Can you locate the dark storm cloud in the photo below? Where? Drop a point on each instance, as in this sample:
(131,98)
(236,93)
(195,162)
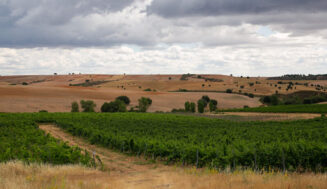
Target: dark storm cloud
(182,8)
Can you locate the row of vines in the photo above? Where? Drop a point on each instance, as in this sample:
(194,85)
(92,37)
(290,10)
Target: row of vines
(21,139)
(289,145)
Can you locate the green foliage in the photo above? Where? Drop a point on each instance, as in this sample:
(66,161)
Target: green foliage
(115,106)
(75,107)
(192,107)
(213,105)
(20,139)
(230,90)
(148,89)
(298,108)
(201,105)
(88,105)
(24,83)
(43,111)
(125,99)
(89,83)
(187,106)
(220,143)
(144,104)
(206,99)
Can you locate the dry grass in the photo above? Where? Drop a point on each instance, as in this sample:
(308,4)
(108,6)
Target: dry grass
(16,175)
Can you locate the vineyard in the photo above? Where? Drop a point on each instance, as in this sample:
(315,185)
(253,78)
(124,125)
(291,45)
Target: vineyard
(187,140)
(301,108)
(20,139)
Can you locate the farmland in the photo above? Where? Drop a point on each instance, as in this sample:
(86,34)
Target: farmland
(22,140)
(301,108)
(201,142)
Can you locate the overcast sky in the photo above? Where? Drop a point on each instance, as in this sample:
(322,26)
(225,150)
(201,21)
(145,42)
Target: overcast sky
(240,37)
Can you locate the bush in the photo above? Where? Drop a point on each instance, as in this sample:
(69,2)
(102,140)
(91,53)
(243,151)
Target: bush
(125,99)
(144,104)
(24,83)
(148,89)
(213,105)
(75,107)
(201,105)
(43,111)
(251,95)
(115,106)
(192,107)
(187,106)
(88,106)
(230,90)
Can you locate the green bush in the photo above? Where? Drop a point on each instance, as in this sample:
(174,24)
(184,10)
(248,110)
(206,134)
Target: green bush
(192,107)
(125,99)
(229,90)
(201,105)
(75,107)
(144,104)
(213,105)
(88,105)
(187,106)
(115,106)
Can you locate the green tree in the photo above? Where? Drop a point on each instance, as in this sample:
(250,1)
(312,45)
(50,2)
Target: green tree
(213,105)
(75,107)
(115,106)
(206,99)
(144,104)
(201,105)
(125,99)
(192,107)
(88,105)
(187,106)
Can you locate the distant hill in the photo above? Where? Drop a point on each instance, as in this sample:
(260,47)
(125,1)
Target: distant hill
(300,77)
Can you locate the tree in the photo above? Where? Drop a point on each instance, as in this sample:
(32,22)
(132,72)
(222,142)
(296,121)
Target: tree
(192,107)
(201,105)
(115,106)
(213,105)
(144,104)
(206,99)
(125,99)
(187,106)
(75,107)
(88,105)
(230,90)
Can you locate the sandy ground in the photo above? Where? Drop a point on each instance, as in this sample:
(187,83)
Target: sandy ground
(122,171)
(59,99)
(54,94)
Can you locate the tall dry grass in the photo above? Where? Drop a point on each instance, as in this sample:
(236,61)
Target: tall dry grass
(16,175)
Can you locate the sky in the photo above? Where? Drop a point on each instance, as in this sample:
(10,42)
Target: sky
(239,37)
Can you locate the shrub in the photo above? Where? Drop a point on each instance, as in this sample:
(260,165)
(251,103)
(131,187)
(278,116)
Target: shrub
(125,99)
(251,95)
(187,106)
(192,107)
(213,105)
(206,100)
(144,104)
(148,89)
(230,90)
(75,107)
(43,111)
(24,83)
(88,105)
(201,105)
(115,106)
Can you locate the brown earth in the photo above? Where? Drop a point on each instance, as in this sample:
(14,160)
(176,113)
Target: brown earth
(54,93)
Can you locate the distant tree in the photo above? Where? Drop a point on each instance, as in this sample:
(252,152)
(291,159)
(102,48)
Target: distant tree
(75,107)
(24,83)
(192,107)
(206,100)
(274,100)
(169,78)
(88,105)
(229,90)
(187,106)
(125,99)
(144,104)
(251,95)
(213,105)
(115,106)
(201,105)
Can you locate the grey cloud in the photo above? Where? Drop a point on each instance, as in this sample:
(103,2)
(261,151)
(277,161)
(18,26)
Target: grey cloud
(182,8)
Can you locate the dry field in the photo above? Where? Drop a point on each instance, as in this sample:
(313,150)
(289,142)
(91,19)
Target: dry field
(54,93)
(122,171)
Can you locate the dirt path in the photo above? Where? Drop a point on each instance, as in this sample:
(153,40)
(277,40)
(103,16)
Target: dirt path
(132,170)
